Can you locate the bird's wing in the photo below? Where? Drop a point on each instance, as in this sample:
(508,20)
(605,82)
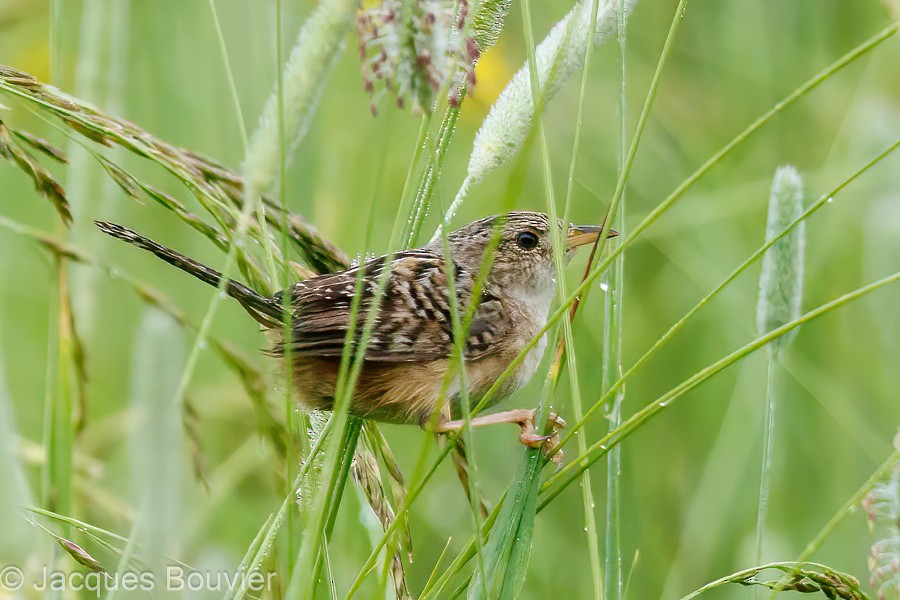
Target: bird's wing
(413,320)
(413,323)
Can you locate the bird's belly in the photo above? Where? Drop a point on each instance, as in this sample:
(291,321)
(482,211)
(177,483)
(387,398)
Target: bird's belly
(388,392)
(416,392)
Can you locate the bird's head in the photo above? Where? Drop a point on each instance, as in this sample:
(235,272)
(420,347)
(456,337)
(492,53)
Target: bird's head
(523,259)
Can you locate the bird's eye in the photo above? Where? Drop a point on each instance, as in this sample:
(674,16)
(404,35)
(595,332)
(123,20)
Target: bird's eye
(527,240)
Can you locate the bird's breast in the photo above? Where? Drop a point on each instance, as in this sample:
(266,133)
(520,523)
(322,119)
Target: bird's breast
(526,321)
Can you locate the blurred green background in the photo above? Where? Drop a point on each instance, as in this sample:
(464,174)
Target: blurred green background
(691,476)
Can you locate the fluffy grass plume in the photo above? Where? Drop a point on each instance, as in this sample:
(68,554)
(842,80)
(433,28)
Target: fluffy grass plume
(318,47)
(781,281)
(559,56)
(780,297)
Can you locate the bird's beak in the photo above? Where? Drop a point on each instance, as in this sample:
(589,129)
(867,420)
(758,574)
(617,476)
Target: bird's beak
(579,235)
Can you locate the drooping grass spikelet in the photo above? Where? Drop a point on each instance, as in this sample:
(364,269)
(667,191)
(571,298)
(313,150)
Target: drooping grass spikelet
(16,146)
(781,281)
(219,190)
(318,47)
(882,505)
(559,56)
(802,577)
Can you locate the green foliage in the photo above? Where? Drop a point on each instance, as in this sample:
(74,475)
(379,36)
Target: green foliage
(696,177)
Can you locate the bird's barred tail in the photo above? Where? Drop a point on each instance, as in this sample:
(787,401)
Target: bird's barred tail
(265,310)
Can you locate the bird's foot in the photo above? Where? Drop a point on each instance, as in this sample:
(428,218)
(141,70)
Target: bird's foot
(525,419)
(549,442)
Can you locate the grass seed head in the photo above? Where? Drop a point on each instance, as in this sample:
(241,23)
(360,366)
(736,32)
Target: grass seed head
(559,56)
(781,281)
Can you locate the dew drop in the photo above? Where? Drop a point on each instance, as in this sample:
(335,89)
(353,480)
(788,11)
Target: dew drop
(604,286)
(202,344)
(830,199)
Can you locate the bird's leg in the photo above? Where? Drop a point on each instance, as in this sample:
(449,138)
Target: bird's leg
(524,418)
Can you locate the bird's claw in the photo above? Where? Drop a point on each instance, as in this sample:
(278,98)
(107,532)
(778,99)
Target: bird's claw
(548,442)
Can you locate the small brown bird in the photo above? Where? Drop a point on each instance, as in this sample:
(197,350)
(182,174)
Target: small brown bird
(409,352)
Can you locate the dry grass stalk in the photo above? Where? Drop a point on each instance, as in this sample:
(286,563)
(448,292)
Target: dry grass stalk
(367,475)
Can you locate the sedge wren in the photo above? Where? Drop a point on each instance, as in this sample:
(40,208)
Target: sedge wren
(408,353)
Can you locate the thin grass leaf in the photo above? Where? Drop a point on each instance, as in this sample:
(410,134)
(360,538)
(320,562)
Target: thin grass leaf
(509,545)
(569,473)
(883,471)
(508,548)
(463,468)
(664,339)
(275,523)
(436,589)
(58,414)
(108,539)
